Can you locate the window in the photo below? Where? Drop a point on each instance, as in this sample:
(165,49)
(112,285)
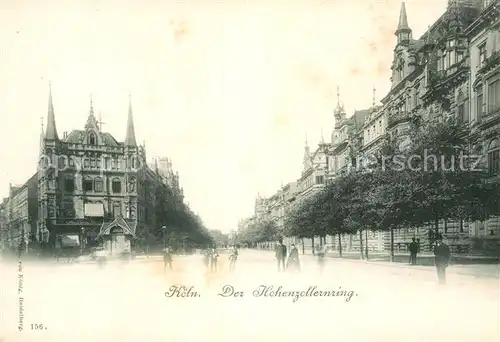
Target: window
(86,162)
(62,162)
(479,105)
(320,179)
(116,186)
(117,208)
(460,56)
(482,54)
(92,139)
(494,96)
(71,162)
(463,112)
(69,184)
(87,184)
(494,157)
(98,185)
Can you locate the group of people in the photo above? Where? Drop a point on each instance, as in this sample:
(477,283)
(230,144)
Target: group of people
(211,257)
(290,262)
(441,257)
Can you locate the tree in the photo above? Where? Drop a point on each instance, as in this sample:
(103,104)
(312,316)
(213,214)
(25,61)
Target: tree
(179,219)
(446,184)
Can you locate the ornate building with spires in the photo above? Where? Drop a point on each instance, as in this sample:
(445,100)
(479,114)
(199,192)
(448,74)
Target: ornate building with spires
(94,189)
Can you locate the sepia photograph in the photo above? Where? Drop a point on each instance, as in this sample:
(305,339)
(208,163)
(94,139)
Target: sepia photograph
(250,170)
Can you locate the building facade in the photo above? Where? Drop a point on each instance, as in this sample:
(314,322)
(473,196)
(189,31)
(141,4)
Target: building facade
(452,70)
(89,189)
(18,216)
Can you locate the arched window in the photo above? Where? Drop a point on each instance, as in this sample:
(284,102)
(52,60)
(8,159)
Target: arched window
(462,109)
(494,157)
(92,139)
(98,184)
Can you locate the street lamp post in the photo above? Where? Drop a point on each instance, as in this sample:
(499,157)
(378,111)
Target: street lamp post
(82,242)
(164,229)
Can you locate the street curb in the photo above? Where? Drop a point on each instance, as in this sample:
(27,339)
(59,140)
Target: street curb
(401,265)
(420,268)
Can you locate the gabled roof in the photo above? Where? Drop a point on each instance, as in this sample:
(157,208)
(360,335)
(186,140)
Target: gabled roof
(128,228)
(359,116)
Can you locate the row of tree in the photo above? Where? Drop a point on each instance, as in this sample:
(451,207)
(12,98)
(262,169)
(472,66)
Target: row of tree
(176,224)
(433,177)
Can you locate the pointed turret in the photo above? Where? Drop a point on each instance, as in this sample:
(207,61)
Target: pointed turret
(92,123)
(42,145)
(51,132)
(404,31)
(339,111)
(130,137)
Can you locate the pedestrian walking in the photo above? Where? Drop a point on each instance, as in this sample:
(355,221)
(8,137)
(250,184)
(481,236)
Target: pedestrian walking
(206,259)
(320,253)
(413,247)
(293,260)
(442,260)
(233,256)
(213,260)
(167,259)
(280,254)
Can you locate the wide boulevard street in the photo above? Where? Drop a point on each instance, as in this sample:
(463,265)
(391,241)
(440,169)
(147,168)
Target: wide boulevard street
(128,302)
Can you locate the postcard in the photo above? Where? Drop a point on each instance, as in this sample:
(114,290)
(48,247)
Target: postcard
(250,170)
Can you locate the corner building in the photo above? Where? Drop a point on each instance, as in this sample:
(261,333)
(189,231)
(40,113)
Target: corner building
(93,189)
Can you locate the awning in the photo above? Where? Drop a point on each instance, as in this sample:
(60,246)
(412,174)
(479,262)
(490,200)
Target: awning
(94,209)
(70,240)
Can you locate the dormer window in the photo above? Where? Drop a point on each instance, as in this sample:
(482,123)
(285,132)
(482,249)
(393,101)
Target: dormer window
(92,139)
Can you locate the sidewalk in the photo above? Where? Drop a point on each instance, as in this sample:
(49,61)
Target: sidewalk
(491,271)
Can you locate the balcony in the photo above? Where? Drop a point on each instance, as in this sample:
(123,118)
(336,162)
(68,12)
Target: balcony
(398,118)
(490,63)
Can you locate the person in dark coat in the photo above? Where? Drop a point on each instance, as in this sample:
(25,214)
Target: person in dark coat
(293,259)
(167,259)
(442,260)
(233,256)
(214,256)
(280,254)
(206,258)
(413,247)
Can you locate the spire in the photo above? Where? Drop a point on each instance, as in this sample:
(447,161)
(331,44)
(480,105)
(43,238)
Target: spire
(41,136)
(403,19)
(51,133)
(130,137)
(338,97)
(339,110)
(92,123)
(91,112)
(374,92)
(322,141)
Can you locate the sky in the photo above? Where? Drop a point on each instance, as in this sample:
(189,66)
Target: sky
(229,90)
